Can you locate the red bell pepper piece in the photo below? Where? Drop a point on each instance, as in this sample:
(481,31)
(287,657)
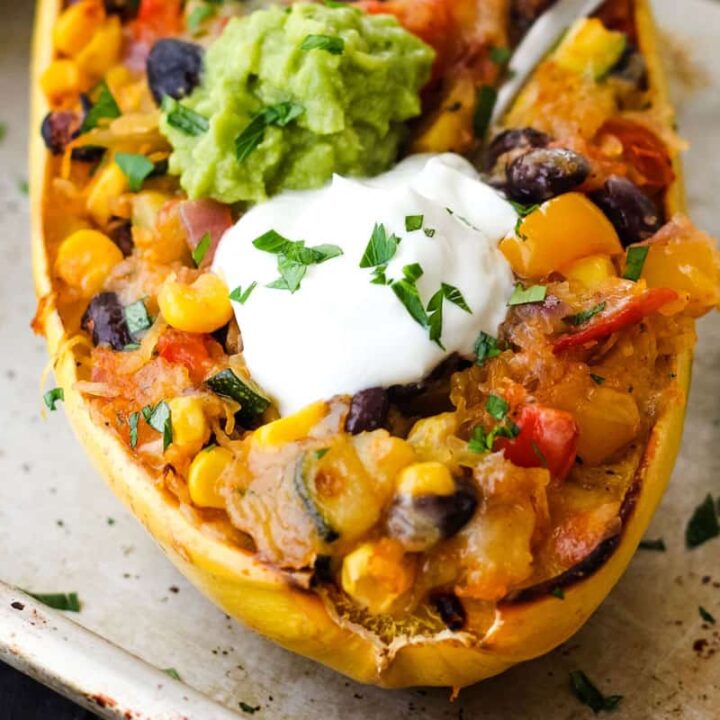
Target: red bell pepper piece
(194,351)
(548,438)
(629,313)
(158,19)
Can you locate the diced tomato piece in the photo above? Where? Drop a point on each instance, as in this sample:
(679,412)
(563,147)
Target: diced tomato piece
(643,151)
(548,438)
(629,313)
(196,352)
(158,18)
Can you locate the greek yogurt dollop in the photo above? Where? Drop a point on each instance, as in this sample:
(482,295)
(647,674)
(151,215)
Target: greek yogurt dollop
(340,333)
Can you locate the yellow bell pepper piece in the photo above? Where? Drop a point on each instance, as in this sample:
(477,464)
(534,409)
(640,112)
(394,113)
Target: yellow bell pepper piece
(590,272)
(564,229)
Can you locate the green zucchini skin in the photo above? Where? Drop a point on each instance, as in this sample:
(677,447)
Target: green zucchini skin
(301,484)
(253,402)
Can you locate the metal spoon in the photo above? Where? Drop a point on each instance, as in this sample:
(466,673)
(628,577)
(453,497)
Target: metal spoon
(543,35)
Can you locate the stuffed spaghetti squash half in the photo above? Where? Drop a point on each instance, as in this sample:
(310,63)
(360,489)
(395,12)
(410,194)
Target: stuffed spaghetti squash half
(429,448)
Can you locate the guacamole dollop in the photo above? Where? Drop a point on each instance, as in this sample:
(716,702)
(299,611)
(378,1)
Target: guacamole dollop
(290,96)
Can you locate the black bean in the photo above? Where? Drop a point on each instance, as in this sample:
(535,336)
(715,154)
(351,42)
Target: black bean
(368,411)
(544,173)
(105,321)
(451,610)
(173,68)
(88,153)
(119,230)
(59,129)
(516,139)
(420,522)
(633,214)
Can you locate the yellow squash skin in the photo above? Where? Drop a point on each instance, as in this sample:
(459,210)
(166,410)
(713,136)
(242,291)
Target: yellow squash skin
(262,597)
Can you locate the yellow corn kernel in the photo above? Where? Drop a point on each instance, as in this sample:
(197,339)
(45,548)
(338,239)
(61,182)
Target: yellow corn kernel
(376,574)
(205,471)
(291,428)
(189,424)
(103,51)
(428,478)
(85,259)
(145,208)
(201,307)
(104,191)
(61,81)
(76,26)
(590,272)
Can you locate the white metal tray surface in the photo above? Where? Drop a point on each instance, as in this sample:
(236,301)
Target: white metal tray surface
(62,530)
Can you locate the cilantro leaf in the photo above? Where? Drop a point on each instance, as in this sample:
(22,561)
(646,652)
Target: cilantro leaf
(597,379)
(589,695)
(133,420)
(486,347)
(183,118)
(136,169)
(161,420)
(200,251)
(486,99)
(558,592)
(706,616)
(703,524)
(524,296)
(497,407)
(137,317)
(52,397)
(199,15)
(408,294)
(656,545)
(380,249)
(330,43)
(500,55)
(69,602)
(414,222)
(241,296)
(582,317)
(452,294)
(105,107)
(635,261)
(279,115)
(173,673)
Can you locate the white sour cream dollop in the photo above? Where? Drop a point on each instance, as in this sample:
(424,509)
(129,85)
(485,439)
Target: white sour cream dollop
(339,333)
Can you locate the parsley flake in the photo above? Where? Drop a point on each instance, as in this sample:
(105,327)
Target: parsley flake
(136,169)
(525,296)
(497,407)
(657,545)
(69,602)
(160,419)
(200,251)
(52,397)
(558,592)
(597,379)
(199,15)
(589,695)
(173,673)
(133,420)
(329,43)
(430,232)
(453,295)
(635,261)
(582,317)
(279,115)
(500,55)
(249,709)
(406,291)
(706,616)
(137,317)
(241,296)
(486,99)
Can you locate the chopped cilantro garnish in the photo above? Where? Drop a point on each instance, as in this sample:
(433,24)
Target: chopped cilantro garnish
(173,673)
(105,107)
(249,709)
(321,453)
(589,695)
(52,397)
(279,115)
(486,98)
(582,317)
(413,272)
(430,232)
(408,294)
(524,296)
(330,43)
(706,616)
(435,318)
(497,407)
(3,131)
(380,249)
(657,545)
(241,296)
(160,419)
(597,379)
(500,55)
(293,258)
(486,347)
(200,251)
(137,318)
(635,261)
(558,592)
(133,420)
(136,169)
(59,601)
(703,524)
(414,222)
(199,15)
(183,118)
(453,295)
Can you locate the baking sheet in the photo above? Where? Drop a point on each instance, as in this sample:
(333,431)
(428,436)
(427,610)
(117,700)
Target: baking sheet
(62,530)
